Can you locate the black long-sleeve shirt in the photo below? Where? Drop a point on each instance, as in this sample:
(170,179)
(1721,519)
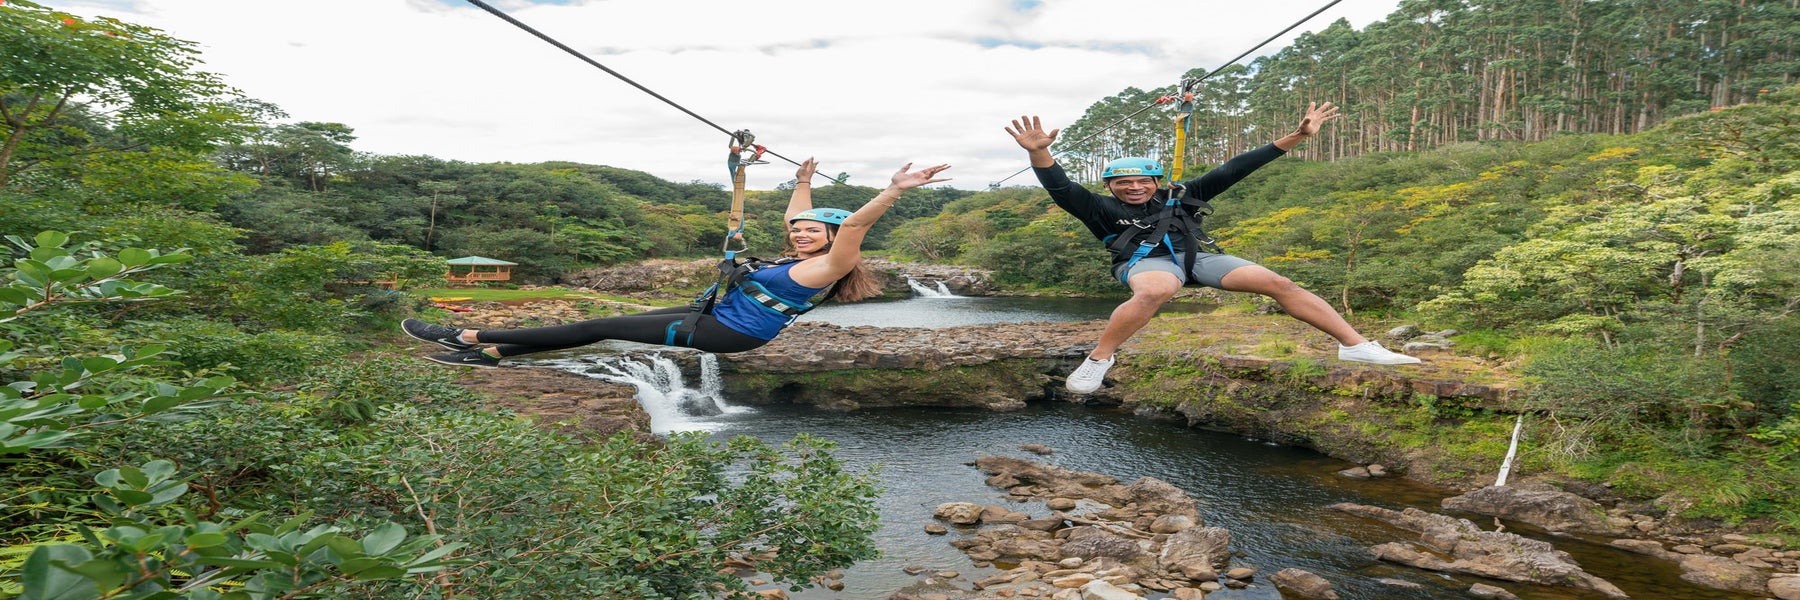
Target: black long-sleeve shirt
(1106,216)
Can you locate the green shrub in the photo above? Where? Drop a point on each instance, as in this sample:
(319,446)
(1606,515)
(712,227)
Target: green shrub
(1629,386)
(270,356)
(1767,371)
(623,520)
(352,390)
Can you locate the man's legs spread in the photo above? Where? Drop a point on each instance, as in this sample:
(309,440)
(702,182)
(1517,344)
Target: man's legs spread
(1295,300)
(1149,290)
(1312,310)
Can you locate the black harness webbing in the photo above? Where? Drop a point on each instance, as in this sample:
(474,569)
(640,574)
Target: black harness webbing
(1180,215)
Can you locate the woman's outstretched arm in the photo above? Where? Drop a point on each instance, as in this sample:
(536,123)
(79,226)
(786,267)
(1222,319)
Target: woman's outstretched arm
(846,248)
(801,200)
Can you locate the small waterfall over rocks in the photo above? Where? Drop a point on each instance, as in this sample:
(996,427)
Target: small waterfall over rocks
(923,291)
(663,391)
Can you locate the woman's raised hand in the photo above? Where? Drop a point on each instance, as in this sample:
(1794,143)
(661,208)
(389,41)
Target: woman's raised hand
(805,173)
(907,179)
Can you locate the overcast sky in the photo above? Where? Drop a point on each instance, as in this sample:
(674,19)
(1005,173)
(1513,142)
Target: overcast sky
(864,86)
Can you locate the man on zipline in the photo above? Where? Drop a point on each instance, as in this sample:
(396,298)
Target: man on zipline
(1158,246)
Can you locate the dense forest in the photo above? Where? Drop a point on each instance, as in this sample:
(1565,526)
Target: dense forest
(193,403)
(551,218)
(1438,72)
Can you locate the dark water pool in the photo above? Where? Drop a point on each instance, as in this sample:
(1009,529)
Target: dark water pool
(1271,497)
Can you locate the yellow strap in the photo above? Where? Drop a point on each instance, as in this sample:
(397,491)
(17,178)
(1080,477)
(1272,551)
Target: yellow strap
(737,200)
(735,222)
(1180,149)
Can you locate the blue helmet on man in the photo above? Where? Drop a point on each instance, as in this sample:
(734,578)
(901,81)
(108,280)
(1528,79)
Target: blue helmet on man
(829,216)
(1132,166)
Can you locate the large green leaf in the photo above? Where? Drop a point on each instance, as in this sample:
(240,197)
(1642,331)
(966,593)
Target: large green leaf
(14,295)
(205,539)
(45,579)
(384,539)
(101,268)
(52,238)
(134,257)
(30,441)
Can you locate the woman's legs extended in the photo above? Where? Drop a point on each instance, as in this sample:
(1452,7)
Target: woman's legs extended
(652,327)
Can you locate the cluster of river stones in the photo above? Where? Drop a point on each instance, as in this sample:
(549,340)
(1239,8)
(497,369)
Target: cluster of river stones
(1107,540)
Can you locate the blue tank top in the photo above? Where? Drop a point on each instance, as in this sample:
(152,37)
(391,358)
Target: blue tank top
(749,317)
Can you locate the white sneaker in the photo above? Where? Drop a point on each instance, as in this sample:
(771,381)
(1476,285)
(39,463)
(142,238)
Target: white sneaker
(1088,377)
(1372,352)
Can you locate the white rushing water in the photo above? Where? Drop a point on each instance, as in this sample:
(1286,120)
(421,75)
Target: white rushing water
(923,291)
(663,391)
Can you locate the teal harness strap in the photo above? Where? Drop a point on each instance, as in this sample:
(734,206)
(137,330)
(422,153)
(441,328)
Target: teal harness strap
(735,276)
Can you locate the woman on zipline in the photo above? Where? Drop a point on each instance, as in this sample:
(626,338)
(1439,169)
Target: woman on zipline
(827,246)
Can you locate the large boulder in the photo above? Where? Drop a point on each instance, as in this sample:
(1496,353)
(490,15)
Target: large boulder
(960,513)
(1491,554)
(1196,554)
(1539,504)
(1089,543)
(1041,479)
(1488,592)
(1304,584)
(1785,588)
(1707,570)
(1723,573)
(1014,543)
(1157,496)
(1101,590)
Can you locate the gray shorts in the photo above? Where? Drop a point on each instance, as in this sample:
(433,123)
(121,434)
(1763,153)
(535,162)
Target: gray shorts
(1209,268)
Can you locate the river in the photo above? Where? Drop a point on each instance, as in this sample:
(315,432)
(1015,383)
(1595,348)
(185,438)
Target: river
(1270,497)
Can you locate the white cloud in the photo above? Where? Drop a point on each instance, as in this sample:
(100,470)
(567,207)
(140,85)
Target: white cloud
(864,86)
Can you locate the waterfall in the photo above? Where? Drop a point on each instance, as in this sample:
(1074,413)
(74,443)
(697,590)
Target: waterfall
(710,384)
(922,291)
(663,391)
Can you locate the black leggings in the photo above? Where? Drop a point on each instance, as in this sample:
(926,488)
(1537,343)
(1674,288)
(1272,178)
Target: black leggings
(647,327)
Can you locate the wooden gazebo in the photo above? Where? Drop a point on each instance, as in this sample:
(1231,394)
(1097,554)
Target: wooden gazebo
(475,269)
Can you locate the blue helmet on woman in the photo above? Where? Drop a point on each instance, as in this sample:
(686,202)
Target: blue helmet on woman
(829,216)
(1132,166)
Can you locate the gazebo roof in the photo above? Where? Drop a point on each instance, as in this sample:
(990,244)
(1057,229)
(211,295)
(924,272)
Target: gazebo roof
(480,260)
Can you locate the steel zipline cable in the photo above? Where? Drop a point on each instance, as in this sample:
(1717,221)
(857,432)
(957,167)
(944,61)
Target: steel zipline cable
(1194,82)
(516,23)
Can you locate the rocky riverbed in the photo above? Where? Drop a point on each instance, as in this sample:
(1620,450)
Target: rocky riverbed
(1279,375)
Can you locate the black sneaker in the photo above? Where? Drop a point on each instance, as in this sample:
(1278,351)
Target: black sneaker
(466,358)
(448,337)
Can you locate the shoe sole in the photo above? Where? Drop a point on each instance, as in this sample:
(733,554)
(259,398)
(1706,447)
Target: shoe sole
(1379,362)
(460,364)
(426,339)
(1072,389)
